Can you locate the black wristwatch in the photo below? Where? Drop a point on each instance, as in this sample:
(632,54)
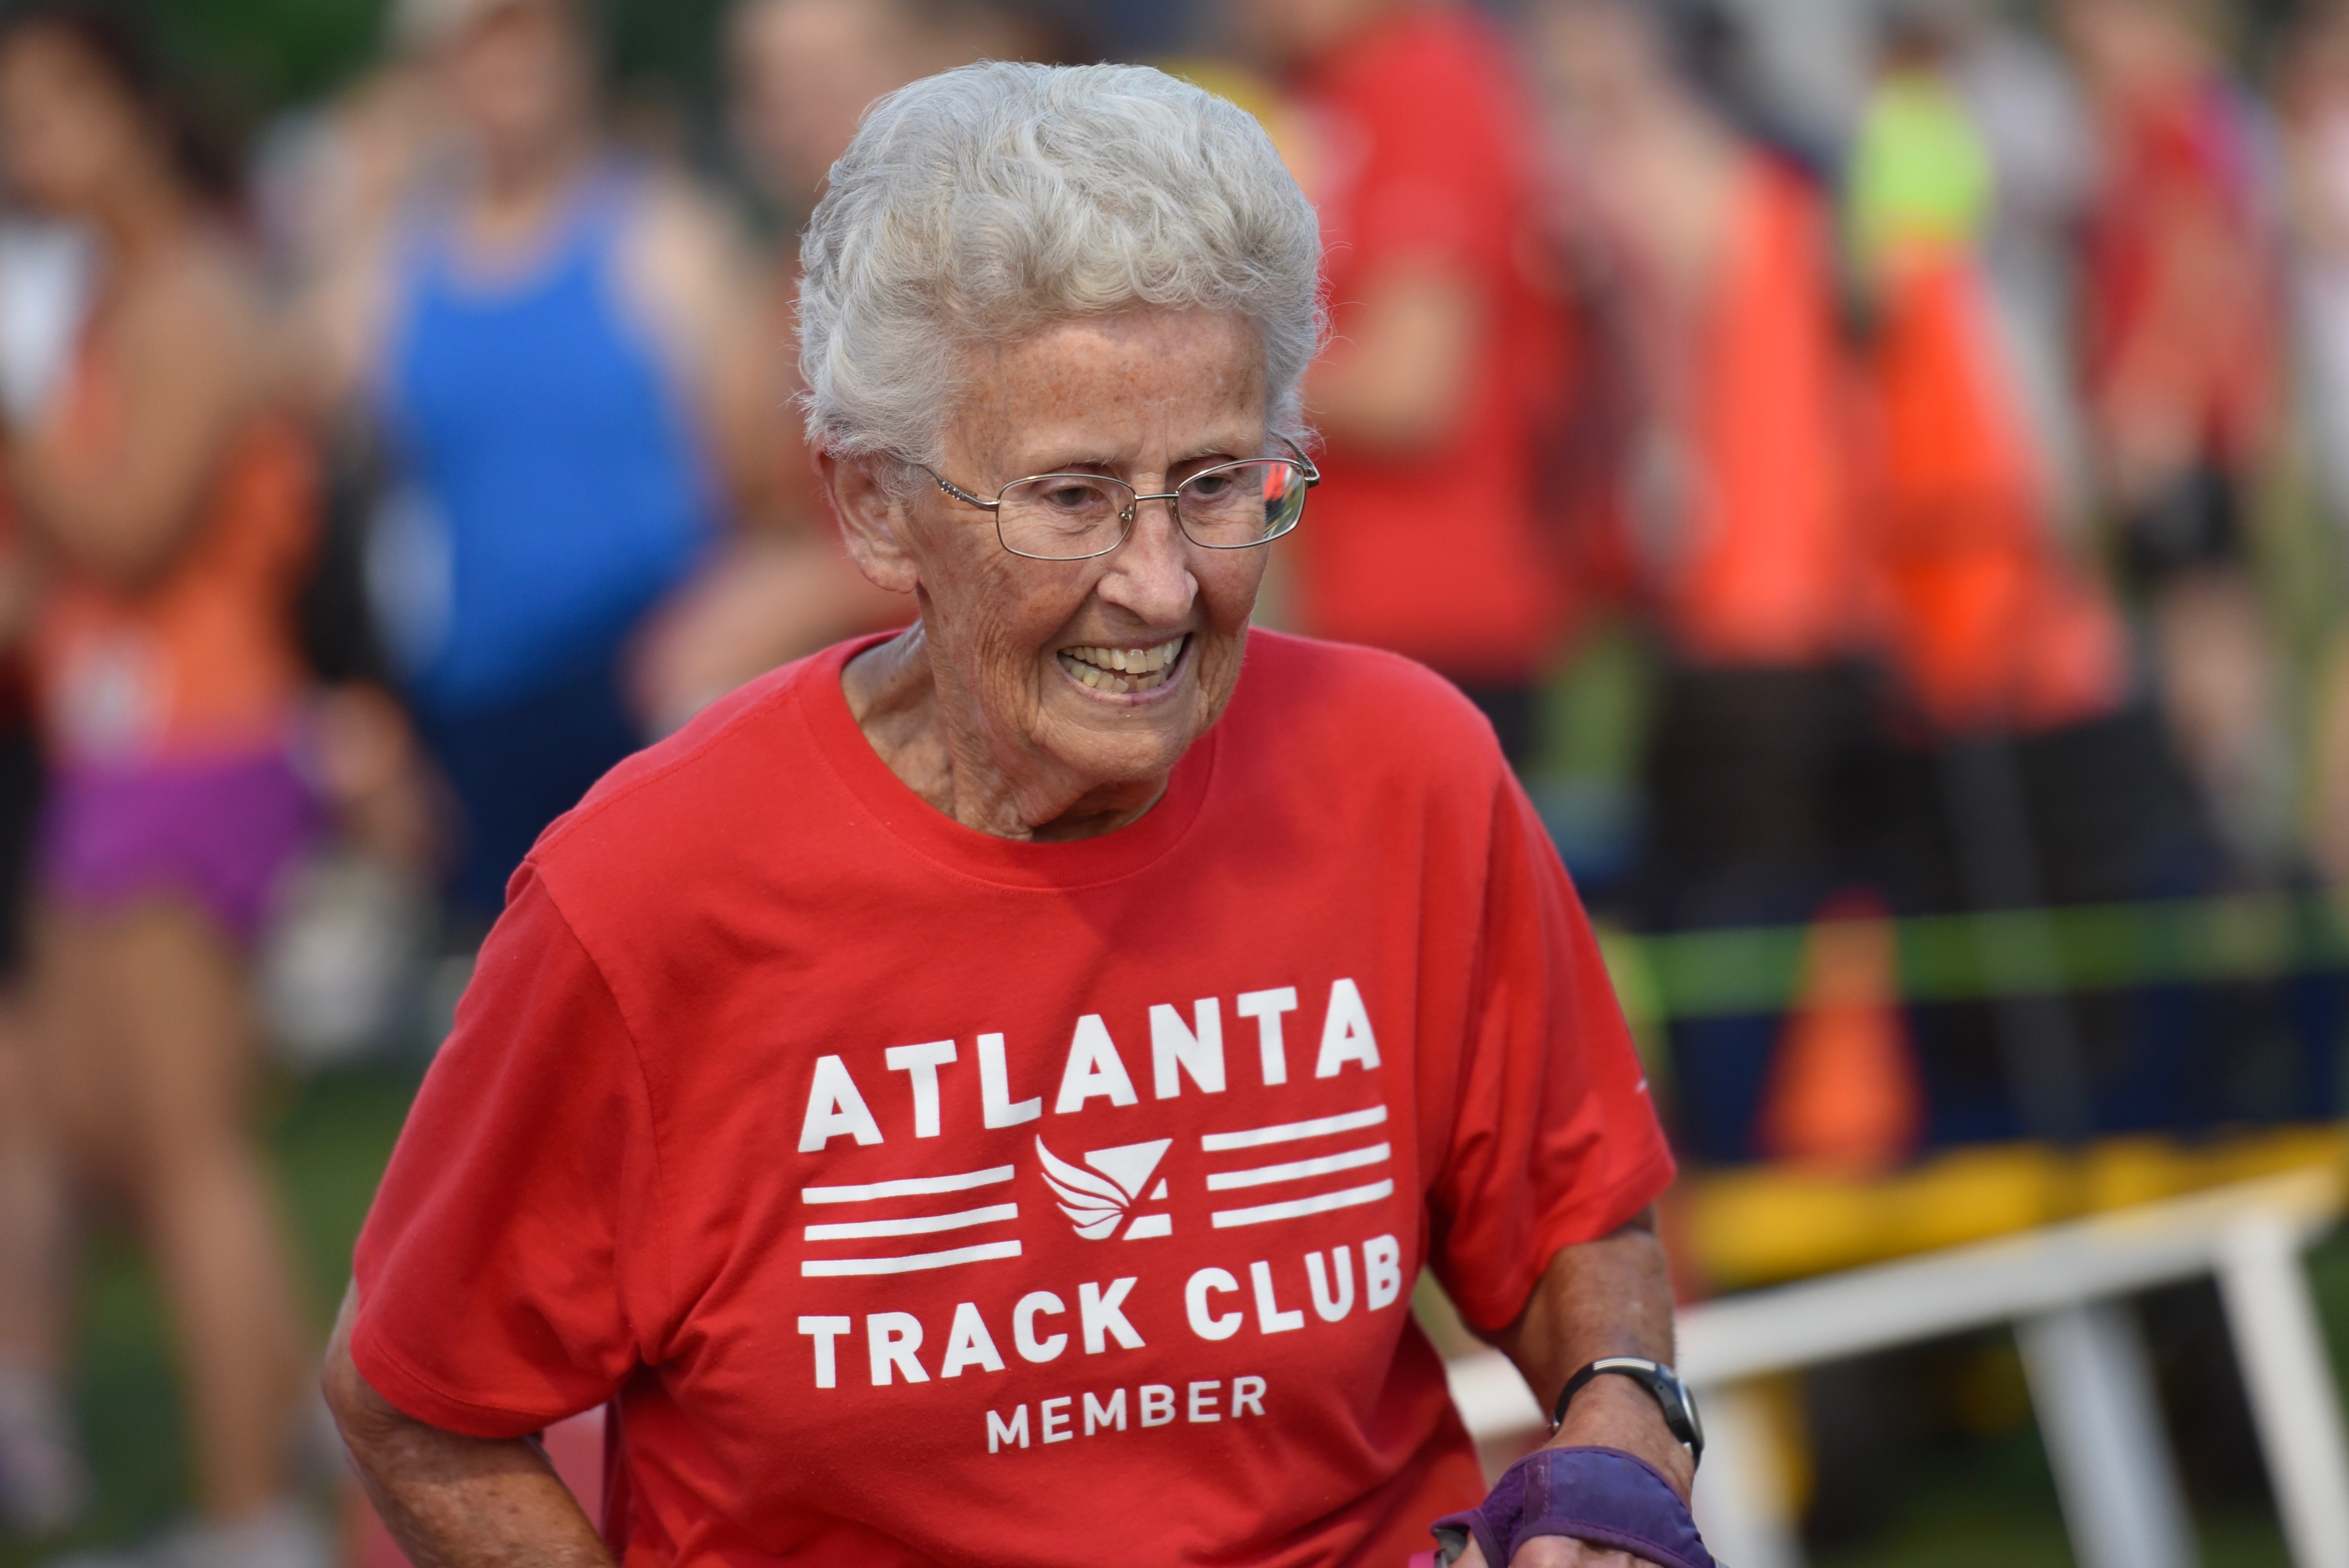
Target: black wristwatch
(1660,1380)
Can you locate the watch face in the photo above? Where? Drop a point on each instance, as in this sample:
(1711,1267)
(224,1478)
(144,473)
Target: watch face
(1694,1434)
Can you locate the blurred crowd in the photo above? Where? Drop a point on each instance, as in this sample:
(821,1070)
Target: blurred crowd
(368,496)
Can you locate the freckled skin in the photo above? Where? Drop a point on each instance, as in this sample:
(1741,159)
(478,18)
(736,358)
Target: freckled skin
(973,707)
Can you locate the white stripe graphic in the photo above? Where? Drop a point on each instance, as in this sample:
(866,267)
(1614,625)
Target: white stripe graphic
(822,1268)
(1298,1170)
(1289,1132)
(911,1187)
(922,1226)
(1224,1219)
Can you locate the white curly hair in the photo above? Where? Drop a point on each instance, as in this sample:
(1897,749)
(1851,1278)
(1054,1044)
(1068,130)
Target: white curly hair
(998,197)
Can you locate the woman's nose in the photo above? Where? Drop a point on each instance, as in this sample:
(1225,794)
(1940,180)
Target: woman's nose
(1150,575)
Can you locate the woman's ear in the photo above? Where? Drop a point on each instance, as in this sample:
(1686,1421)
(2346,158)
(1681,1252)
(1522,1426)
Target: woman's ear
(872,521)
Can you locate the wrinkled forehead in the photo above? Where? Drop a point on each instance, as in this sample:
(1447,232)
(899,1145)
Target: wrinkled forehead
(1138,386)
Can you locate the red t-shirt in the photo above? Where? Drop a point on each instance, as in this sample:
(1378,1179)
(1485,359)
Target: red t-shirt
(1422,154)
(2178,310)
(924,1197)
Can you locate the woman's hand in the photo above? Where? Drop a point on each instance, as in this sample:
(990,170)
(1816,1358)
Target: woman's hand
(1612,1413)
(1607,1297)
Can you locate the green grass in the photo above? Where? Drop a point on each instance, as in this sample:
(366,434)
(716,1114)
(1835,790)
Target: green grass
(330,1137)
(1961,1503)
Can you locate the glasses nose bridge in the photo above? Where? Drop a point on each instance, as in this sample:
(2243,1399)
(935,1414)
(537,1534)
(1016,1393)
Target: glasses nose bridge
(1133,509)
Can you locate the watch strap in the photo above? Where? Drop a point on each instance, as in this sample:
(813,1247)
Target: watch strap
(1662,1384)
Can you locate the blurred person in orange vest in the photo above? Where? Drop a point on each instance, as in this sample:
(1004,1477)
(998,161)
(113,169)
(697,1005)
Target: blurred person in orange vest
(2180,282)
(1737,509)
(2030,777)
(2025,106)
(1445,363)
(167,508)
(1987,621)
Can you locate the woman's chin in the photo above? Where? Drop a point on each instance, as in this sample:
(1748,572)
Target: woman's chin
(1120,739)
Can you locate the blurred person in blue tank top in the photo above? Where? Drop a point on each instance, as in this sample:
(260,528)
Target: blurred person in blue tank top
(564,351)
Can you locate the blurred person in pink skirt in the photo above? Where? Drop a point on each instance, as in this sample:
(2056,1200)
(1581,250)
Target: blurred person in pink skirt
(166,511)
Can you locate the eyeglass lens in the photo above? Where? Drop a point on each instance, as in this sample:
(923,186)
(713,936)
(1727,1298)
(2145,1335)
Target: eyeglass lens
(1067,517)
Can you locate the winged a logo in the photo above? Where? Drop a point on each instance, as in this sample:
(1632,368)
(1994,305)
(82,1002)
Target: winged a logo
(1097,1200)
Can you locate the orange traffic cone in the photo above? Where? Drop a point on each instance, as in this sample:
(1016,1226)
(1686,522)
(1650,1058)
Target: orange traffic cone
(1844,1095)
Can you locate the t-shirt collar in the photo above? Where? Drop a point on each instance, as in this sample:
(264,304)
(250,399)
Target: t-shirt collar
(937,837)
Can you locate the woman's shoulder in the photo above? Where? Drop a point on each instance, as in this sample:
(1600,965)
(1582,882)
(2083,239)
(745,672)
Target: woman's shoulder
(685,265)
(196,302)
(1365,701)
(687,793)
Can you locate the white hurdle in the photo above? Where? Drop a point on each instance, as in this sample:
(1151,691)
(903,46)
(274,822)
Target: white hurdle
(2065,1289)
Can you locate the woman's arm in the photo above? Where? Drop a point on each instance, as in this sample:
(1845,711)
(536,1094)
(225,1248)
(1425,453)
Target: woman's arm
(783,588)
(454,1501)
(185,354)
(1394,378)
(1607,1297)
(688,274)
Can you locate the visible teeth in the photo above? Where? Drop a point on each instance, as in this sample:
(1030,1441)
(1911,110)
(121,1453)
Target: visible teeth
(1121,670)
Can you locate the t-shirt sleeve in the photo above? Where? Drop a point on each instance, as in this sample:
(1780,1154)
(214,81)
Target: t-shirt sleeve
(509,1269)
(1441,187)
(1554,1141)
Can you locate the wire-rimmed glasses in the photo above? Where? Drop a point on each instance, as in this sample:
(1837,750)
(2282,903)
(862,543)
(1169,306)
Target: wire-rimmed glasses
(1075,517)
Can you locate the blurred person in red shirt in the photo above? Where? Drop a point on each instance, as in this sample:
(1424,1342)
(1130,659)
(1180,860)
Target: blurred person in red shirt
(2313,95)
(167,508)
(1445,365)
(2181,277)
(1736,521)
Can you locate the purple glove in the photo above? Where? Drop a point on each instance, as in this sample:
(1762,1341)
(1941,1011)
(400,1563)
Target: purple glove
(1603,1496)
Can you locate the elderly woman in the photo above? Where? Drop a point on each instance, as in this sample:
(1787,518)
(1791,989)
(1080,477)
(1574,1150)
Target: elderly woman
(982,1095)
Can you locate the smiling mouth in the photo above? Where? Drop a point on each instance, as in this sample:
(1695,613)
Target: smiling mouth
(1122,671)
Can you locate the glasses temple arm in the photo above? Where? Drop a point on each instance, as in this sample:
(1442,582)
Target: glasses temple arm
(1312,469)
(957,491)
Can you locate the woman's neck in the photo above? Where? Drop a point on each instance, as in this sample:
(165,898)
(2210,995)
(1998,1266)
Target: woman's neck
(516,196)
(934,736)
(144,217)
